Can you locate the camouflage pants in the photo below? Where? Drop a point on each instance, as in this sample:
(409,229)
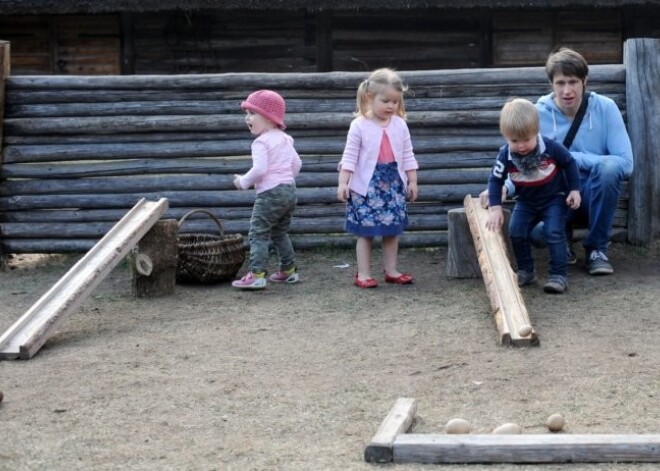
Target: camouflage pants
(271,219)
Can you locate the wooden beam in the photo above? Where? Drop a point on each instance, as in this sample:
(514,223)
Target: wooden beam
(5,70)
(379,449)
(27,335)
(546,448)
(642,60)
(509,309)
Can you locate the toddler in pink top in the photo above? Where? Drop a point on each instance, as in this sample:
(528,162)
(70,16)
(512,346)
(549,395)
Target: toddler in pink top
(377,171)
(275,165)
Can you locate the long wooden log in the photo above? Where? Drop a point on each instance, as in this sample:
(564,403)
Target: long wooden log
(218,122)
(428,130)
(176,150)
(546,448)
(131,184)
(226,212)
(170,106)
(304,99)
(349,80)
(438,193)
(325,224)
(302,242)
(311,164)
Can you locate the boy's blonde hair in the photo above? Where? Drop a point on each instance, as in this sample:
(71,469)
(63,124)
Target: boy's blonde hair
(379,79)
(519,119)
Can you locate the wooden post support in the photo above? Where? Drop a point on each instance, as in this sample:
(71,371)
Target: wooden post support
(154,261)
(5,70)
(509,309)
(546,448)
(642,60)
(379,450)
(462,261)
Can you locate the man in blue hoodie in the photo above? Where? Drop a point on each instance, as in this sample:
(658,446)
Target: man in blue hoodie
(601,148)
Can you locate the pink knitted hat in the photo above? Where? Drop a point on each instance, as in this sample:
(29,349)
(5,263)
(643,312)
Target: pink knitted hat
(268,104)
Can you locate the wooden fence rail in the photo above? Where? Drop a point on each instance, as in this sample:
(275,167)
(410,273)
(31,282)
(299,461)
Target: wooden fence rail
(78,152)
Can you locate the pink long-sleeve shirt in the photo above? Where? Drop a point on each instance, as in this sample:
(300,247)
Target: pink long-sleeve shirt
(362,147)
(274,162)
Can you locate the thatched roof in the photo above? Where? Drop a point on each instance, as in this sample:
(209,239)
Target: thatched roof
(34,7)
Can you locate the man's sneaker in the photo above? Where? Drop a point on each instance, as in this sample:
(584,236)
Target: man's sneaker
(526,278)
(556,284)
(250,281)
(571,256)
(285,276)
(597,264)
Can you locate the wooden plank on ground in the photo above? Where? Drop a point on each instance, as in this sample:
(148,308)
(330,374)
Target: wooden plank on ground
(379,450)
(509,309)
(545,448)
(30,332)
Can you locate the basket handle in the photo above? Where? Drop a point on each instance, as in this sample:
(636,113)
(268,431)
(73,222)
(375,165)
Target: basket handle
(208,213)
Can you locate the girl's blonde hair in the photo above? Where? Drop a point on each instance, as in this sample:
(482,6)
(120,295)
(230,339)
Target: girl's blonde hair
(519,118)
(379,79)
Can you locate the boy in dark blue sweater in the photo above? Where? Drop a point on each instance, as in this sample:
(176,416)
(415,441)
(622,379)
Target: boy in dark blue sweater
(547,183)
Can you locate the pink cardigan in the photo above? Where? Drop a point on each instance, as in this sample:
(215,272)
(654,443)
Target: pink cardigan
(362,147)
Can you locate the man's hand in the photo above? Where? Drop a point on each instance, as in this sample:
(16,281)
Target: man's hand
(237,182)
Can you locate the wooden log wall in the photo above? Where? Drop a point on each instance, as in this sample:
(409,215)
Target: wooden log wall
(80,151)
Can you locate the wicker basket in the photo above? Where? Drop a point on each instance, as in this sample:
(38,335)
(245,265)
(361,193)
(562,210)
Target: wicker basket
(208,258)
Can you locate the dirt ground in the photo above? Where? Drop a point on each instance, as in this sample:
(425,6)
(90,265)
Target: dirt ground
(300,377)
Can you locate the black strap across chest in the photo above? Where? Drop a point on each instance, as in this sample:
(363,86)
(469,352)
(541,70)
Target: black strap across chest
(570,135)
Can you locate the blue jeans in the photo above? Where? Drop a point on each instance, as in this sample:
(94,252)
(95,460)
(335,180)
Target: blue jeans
(271,220)
(600,190)
(524,217)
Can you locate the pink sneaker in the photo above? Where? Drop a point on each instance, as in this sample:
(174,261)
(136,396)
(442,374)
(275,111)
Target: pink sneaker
(282,277)
(250,281)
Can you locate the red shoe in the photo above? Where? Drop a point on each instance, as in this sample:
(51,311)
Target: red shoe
(402,279)
(368,283)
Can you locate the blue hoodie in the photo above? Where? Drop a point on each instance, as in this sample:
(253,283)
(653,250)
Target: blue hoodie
(602,132)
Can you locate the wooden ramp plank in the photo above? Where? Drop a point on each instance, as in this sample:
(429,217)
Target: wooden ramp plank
(546,448)
(511,317)
(31,330)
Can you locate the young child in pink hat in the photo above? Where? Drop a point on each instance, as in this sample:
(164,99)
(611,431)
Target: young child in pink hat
(275,165)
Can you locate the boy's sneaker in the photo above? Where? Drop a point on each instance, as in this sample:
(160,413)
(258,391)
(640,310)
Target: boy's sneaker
(571,256)
(250,281)
(556,284)
(285,276)
(526,278)
(598,264)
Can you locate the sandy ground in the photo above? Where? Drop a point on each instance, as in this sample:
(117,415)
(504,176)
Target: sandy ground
(300,377)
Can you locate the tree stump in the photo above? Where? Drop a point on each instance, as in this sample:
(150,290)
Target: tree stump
(153,264)
(462,260)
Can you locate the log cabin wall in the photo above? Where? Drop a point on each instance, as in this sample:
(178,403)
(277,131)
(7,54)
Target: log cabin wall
(67,44)
(243,40)
(78,152)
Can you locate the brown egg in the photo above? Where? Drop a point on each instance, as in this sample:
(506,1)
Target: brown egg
(555,423)
(457,426)
(508,429)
